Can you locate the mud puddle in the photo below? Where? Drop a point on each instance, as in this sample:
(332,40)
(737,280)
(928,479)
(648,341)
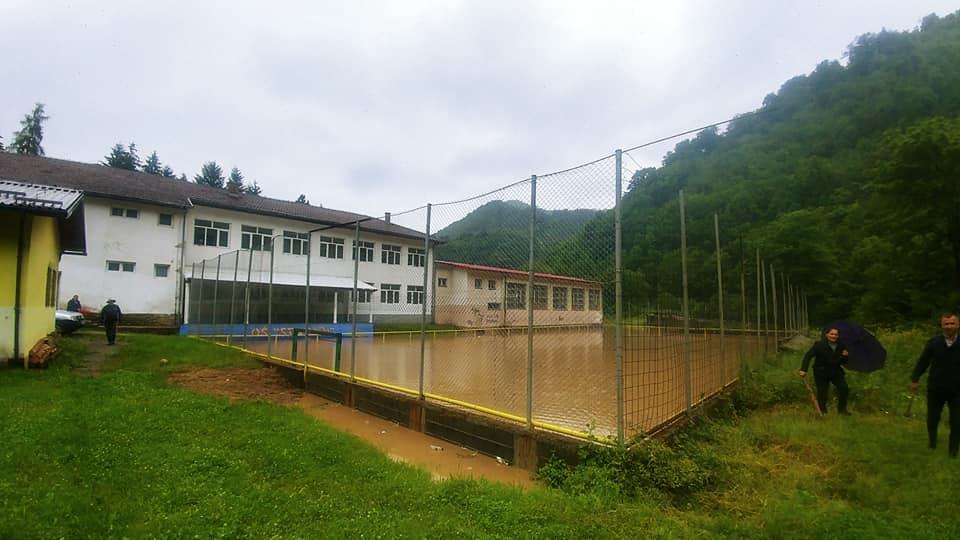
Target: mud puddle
(443,459)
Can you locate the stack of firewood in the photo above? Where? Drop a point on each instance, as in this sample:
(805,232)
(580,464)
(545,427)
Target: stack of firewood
(43,352)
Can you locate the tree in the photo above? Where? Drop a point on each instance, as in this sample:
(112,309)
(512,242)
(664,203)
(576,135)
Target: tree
(235,182)
(210,175)
(152,164)
(1,144)
(123,158)
(27,140)
(183,177)
(253,189)
(302,199)
(167,172)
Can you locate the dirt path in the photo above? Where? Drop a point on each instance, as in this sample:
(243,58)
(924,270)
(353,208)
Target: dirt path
(97,352)
(443,459)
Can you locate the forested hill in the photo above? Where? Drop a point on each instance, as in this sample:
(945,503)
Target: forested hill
(849,178)
(497,233)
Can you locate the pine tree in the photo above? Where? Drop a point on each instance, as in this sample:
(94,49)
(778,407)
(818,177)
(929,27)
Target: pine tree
(152,164)
(27,140)
(167,172)
(123,158)
(253,189)
(302,199)
(210,175)
(235,182)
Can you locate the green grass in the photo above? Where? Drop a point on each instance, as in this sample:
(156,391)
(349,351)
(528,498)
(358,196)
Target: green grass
(127,454)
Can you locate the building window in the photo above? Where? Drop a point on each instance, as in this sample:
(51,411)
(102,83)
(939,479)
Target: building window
(210,233)
(389,293)
(390,254)
(363,295)
(255,238)
(125,212)
(50,293)
(539,297)
(161,270)
(366,251)
(576,299)
(478,283)
(441,282)
(117,266)
(298,243)
(165,219)
(331,248)
(416,257)
(492,284)
(516,296)
(594,300)
(560,298)
(414,294)
(493,306)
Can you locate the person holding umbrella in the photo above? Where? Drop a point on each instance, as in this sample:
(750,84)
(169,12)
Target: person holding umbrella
(942,356)
(828,356)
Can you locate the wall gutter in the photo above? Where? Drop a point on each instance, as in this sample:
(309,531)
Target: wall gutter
(21,240)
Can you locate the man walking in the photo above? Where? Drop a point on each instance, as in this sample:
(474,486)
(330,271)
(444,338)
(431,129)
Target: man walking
(74,304)
(942,356)
(110,317)
(829,355)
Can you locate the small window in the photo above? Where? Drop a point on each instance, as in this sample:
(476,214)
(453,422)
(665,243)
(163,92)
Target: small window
(255,238)
(210,233)
(125,212)
(539,297)
(133,213)
(390,254)
(478,283)
(416,257)
(331,248)
(415,294)
(594,300)
(576,299)
(364,296)
(118,266)
(516,296)
(560,298)
(127,266)
(389,293)
(165,219)
(113,266)
(116,212)
(493,306)
(492,284)
(441,282)
(366,251)
(298,243)
(161,270)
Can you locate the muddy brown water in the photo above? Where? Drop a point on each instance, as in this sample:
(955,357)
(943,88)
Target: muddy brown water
(574,371)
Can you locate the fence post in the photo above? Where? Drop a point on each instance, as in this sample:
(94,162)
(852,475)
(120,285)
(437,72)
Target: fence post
(760,346)
(743,304)
(273,246)
(353,331)
(766,312)
(686,307)
(618,276)
(773,308)
(216,294)
(423,303)
(246,299)
(203,267)
(786,300)
(233,295)
(533,227)
(723,345)
(306,314)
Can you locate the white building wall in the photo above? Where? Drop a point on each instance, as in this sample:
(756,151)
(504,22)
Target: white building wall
(142,241)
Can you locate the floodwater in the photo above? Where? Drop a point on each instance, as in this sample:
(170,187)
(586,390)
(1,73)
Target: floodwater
(573,370)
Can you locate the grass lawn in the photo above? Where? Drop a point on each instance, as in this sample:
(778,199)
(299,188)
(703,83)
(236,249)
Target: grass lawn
(128,454)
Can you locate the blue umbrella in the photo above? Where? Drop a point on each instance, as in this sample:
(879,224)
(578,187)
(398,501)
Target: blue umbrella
(866,353)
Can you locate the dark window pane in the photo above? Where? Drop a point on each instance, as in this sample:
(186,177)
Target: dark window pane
(223,238)
(199,234)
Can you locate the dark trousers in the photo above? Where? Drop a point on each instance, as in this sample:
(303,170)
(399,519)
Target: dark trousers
(839,380)
(111,328)
(936,399)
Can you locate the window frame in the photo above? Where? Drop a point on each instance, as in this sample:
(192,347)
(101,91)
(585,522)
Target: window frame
(541,301)
(517,298)
(556,306)
(331,247)
(442,282)
(160,216)
(390,254)
(416,257)
(156,270)
(366,251)
(415,293)
(296,243)
(256,237)
(220,231)
(594,302)
(389,293)
(574,304)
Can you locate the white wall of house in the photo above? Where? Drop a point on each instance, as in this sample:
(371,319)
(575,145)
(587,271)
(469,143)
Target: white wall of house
(140,240)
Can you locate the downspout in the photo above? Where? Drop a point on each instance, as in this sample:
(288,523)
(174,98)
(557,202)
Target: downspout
(181,286)
(21,233)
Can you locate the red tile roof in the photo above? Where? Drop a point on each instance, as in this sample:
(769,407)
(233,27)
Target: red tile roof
(524,273)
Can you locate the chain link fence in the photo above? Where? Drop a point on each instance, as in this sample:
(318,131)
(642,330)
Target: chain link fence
(521,303)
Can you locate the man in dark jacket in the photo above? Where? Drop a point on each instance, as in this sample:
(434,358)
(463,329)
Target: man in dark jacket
(110,317)
(942,356)
(829,356)
(74,304)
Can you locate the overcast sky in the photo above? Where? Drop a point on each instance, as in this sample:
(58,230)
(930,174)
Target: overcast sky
(383,106)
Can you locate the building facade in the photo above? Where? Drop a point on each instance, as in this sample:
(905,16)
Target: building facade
(476,296)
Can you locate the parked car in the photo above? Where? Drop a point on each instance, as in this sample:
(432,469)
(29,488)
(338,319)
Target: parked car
(68,321)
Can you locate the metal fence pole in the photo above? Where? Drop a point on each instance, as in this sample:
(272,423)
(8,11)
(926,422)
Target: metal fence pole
(233,295)
(191,313)
(618,276)
(686,306)
(760,346)
(306,314)
(423,311)
(203,267)
(723,345)
(785,298)
(273,246)
(246,299)
(216,294)
(766,311)
(743,303)
(356,271)
(533,230)
(773,306)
